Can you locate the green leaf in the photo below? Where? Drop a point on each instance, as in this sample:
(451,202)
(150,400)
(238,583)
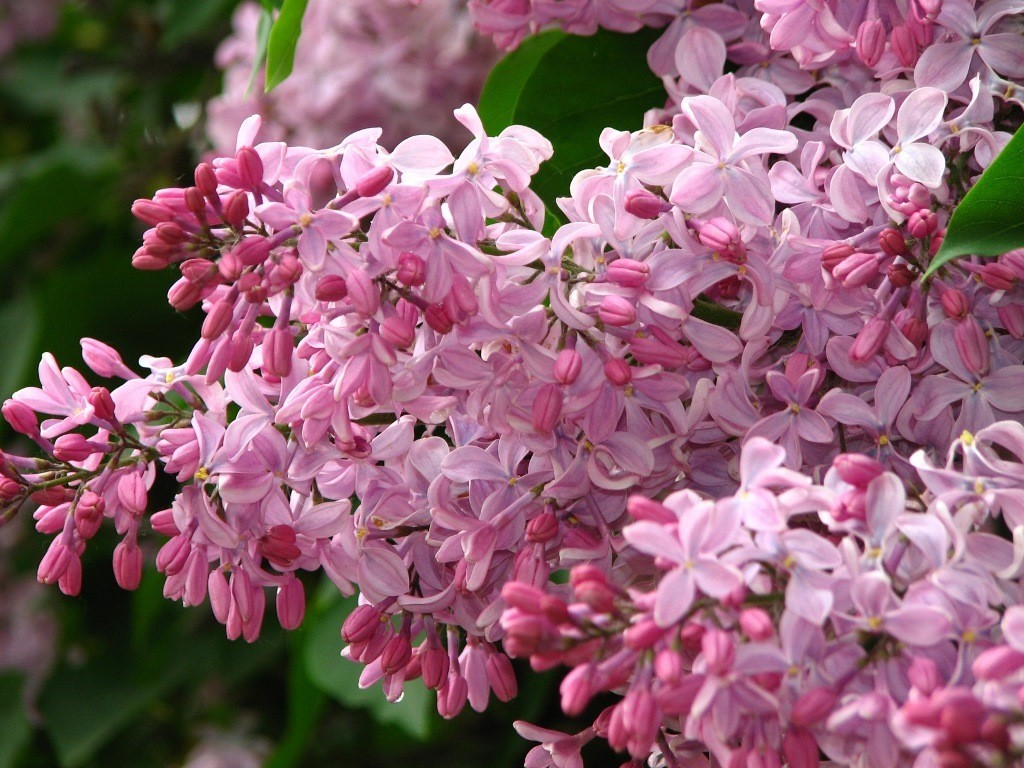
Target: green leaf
(85,707)
(580,86)
(283,38)
(989,221)
(505,83)
(266,23)
(191,20)
(15,730)
(20,321)
(305,703)
(339,677)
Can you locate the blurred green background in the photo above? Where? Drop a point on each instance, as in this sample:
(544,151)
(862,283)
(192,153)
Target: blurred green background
(103,108)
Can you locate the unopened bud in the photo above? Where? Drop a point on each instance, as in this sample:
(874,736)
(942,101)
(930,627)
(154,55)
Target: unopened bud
(870,42)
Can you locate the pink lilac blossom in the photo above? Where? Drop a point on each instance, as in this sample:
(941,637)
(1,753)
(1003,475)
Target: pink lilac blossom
(361,64)
(23,22)
(774,460)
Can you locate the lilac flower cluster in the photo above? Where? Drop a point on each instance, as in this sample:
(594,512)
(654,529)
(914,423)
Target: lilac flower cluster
(733,321)
(375,62)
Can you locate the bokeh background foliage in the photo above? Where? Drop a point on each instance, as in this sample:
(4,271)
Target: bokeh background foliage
(105,109)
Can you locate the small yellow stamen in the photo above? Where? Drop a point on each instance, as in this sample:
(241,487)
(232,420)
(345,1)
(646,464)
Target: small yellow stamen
(472,169)
(966,438)
(434,232)
(969,636)
(794,408)
(883,440)
(305,220)
(875,622)
(202,474)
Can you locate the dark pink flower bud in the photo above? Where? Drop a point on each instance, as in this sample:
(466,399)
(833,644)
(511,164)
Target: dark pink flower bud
(643,508)
(375,181)
(220,595)
(438,319)
(55,562)
(236,209)
(170,233)
(756,624)
(998,277)
(922,223)
(892,242)
(955,303)
(813,707)
(103,404)
(567,366)
(856,270)
(398,331)
(642,635)
(936,242)
(834,255)
(618,371)
(278,546)
(972,344)
(252,250)
(547,407)
(397,653)
(51,497)
(412,270)
(172,555)
(857,469)
(196,204)
(331,288)
(616,311)
(151,213)
(291,604)
(10,489)
(206,180)
(218,320)
(127,564)
(73,447)
(242,345)
(132,493)
(464,295)
(903,44)
(21,418)
(250,168)
(870,41)
(501,676)
(800,749)
(719,234)
(1014,260)
(577,689)
(199,271)
(1012,318)
(900,275)
(628,273)
(921,712)
(930,9)
(915,329)
(870,340)
(719,651)
(277,351)
(997,663)
(435,663)
(961,717)
(362,624)
(287,271)
(364,295)
(148,260)
(542,529)
(70,582)
(523,596)
(924,675)
(644,204)
(184,295)
(668,667)
(994,731)
(451,699)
